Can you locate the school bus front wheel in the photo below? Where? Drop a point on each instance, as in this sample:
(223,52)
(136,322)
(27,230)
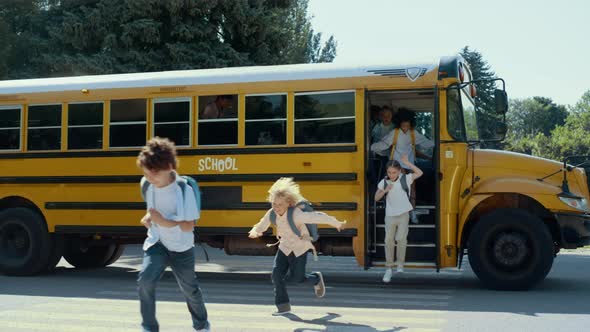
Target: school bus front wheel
(510,249)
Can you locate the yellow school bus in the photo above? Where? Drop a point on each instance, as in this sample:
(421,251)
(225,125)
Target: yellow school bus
(69,186)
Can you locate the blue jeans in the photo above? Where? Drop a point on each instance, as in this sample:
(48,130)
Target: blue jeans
(296,266)
(155,261)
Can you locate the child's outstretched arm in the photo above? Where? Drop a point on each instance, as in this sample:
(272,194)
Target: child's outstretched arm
(417,172)
(258,229)
(321,218)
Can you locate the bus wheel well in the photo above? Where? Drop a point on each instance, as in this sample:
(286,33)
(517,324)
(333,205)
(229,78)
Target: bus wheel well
(515,201)
(20,202)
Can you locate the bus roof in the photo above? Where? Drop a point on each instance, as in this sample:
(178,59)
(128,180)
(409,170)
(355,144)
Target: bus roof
(215,76)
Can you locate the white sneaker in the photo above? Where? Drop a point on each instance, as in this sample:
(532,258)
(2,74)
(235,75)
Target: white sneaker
(400,269)
(207,329)
(387,276)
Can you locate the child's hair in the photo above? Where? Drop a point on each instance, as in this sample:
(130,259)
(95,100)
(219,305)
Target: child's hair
(404,115)
(394,164)
(158,154)
(386,108)
(285,188)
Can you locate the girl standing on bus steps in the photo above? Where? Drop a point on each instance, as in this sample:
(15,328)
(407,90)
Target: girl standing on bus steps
(404,140)
(284,196)
(397,208)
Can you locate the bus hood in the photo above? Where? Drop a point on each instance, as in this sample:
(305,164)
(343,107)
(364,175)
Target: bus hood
(513,163)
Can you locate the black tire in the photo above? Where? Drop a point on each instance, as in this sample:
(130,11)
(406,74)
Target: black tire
(24,242)
(119,248)
(79,254)
(510,249)
(57,242)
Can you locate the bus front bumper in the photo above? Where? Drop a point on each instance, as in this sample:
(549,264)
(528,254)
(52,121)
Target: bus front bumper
(575,229)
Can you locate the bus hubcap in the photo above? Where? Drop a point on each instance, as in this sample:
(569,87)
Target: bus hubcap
(14,242)
(510,249)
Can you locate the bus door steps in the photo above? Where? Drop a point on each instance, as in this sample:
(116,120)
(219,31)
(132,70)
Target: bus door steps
(415,252)
(407,264)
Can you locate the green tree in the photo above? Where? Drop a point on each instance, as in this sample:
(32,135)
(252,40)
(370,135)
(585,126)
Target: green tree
(572,138)
(534,115)
(568,139)
(489,123)
(481,70)
(117,36)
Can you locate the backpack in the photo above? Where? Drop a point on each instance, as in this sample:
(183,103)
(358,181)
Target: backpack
(194,186)
(404,184)
(305,206)
(189,180)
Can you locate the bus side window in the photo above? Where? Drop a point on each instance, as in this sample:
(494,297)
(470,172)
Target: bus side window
(44,127)
(324,117)
(10,126)
(172,119)
(85,121)
(128,123)
(218,120)
(266,119)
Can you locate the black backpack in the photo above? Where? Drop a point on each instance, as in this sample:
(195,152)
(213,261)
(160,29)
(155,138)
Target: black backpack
(305,206)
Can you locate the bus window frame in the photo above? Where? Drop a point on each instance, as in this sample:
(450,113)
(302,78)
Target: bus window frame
(456,87)
(285,119)
(67,143)
(236,119)
(323,92)
(173,100)
(20,129)
(46,127)
(111,123)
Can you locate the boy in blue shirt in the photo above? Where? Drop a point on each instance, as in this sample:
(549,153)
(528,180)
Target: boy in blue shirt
(170,221)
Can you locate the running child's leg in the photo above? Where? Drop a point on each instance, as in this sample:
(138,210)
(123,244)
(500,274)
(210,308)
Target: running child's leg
(279,272)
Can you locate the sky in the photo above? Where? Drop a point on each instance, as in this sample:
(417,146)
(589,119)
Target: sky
(540,47)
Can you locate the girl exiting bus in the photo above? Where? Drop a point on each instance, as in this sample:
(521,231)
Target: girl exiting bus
(397,186)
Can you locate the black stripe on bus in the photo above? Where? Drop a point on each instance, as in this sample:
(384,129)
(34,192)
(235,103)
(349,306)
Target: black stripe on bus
(183,152)
(258,206)
(200,178)
(140,230)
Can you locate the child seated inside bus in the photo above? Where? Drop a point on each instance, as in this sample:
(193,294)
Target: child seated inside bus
(291,255)
(396,187)
(405,140)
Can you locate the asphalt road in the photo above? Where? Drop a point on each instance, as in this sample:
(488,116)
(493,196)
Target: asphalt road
(239,297)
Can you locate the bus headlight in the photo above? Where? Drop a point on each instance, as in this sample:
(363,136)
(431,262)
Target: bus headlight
(577,203)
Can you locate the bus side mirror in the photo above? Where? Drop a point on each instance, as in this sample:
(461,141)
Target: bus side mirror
(501,99)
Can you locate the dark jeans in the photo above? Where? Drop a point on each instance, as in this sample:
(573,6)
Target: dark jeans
(296,266)
(155,261)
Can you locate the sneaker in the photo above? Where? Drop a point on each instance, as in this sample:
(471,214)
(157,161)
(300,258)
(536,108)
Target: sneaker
(400,269)
(413,217)
(387,276)
(282,309)
(207,329)
(281,313)
(320,287)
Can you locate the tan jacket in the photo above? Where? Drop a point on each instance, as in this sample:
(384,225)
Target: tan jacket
(288,241)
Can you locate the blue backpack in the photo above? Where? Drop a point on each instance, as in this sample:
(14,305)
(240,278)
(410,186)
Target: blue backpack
(190,181)
(305,206)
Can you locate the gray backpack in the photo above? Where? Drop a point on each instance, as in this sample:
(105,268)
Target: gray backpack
(305,206)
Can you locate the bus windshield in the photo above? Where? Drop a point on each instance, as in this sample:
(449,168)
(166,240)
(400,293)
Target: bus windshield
(470,120)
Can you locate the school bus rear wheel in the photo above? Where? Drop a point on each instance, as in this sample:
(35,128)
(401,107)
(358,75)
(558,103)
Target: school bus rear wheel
(510,249)
(24,242)
(81,253)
